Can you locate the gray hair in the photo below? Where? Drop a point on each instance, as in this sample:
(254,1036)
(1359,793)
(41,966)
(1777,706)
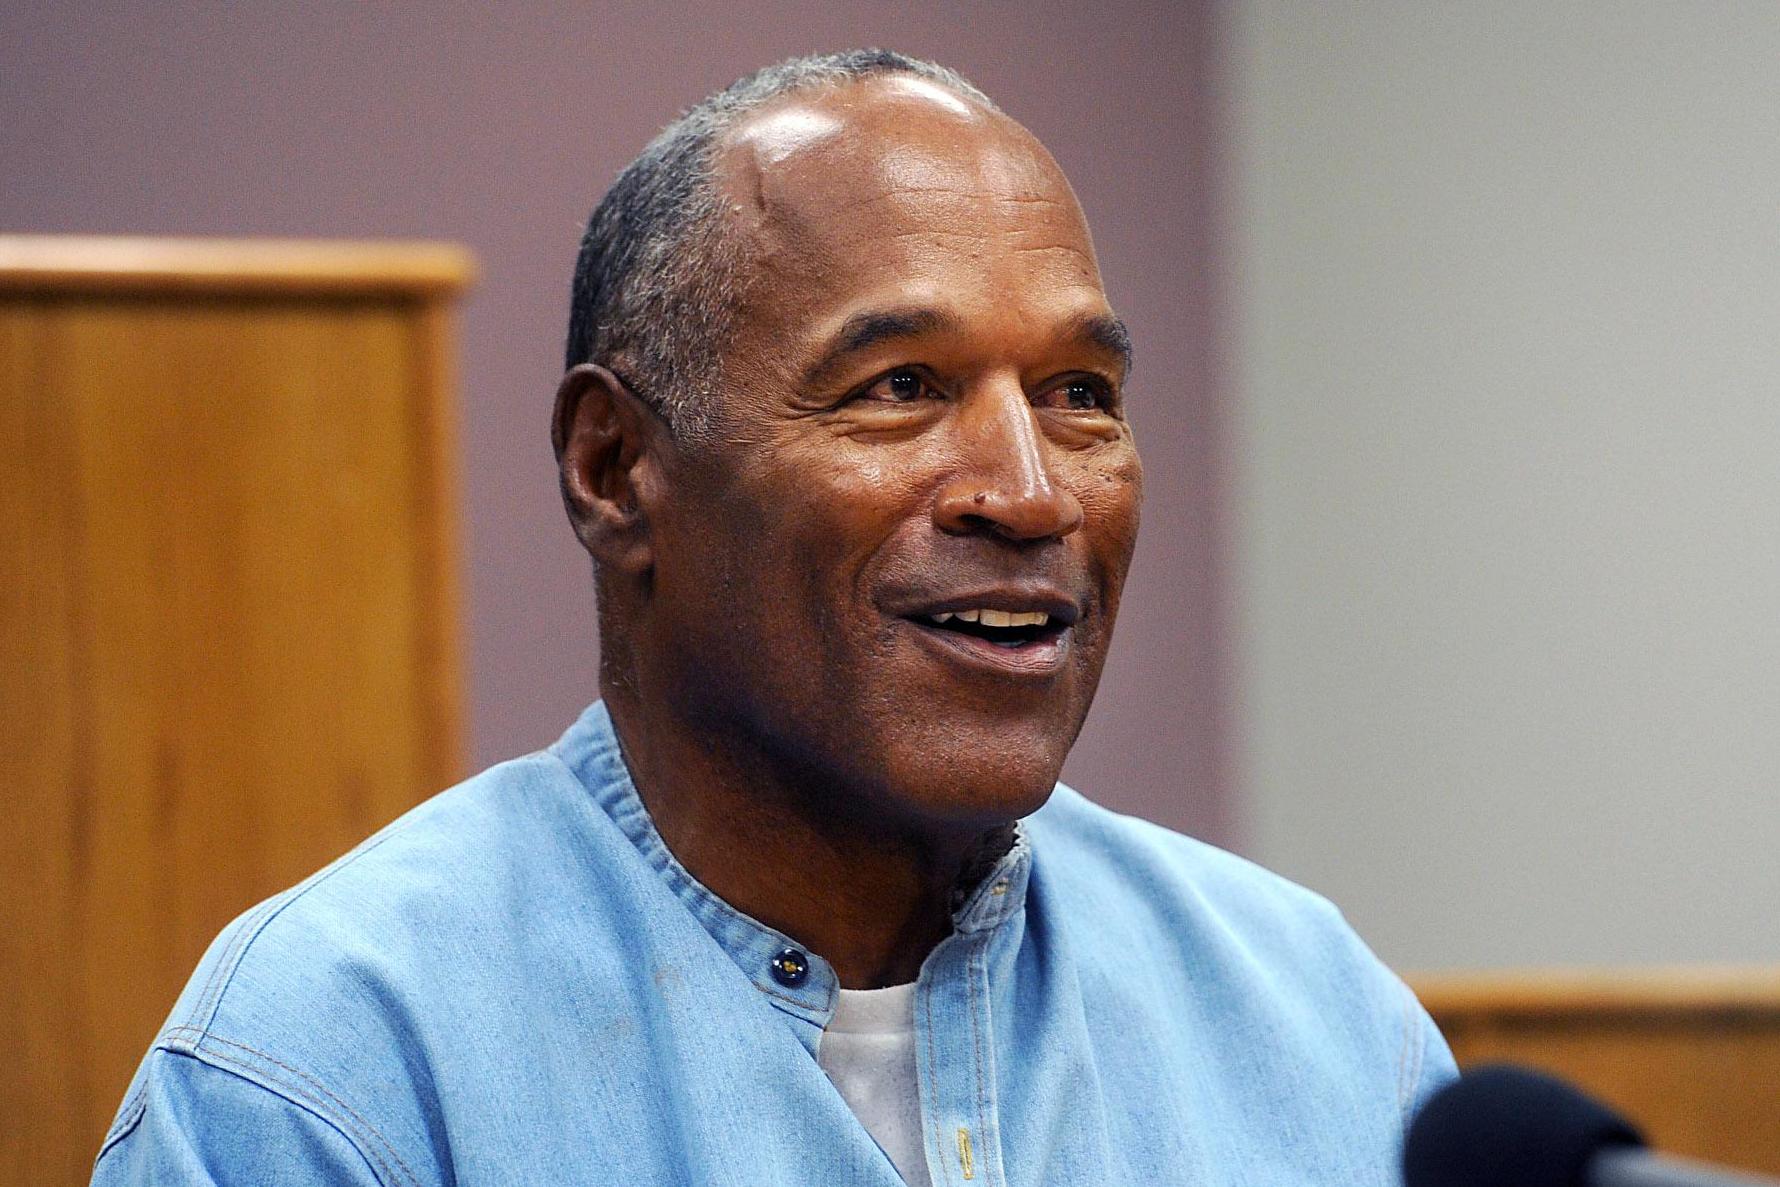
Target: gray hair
(656,275)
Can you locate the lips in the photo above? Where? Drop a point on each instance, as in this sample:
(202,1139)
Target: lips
(1010,632)
(1048,600)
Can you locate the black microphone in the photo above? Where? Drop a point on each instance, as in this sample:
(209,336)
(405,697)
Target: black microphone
(1509,1127)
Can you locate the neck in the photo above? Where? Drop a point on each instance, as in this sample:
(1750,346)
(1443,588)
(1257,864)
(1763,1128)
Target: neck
(872,900)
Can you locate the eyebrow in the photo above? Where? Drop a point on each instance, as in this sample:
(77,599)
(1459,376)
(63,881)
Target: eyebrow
(1105,331)
(875,326)
(865,330)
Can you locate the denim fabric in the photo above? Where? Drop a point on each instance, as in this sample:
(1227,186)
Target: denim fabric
(516,983)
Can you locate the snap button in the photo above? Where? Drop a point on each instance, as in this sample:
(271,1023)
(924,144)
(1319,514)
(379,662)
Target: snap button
(791,968)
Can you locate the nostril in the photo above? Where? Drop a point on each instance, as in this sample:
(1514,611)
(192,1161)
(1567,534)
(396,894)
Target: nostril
(1040,511)
(984,525)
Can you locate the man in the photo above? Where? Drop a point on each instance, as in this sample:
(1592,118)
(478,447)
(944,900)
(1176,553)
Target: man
(799,900)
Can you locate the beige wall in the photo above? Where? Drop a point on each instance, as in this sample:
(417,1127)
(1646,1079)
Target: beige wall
(1509,511)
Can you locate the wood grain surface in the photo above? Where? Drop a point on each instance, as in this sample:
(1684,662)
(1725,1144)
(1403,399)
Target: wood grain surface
(229,640)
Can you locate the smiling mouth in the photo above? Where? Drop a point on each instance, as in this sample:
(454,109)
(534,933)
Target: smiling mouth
(1004,628)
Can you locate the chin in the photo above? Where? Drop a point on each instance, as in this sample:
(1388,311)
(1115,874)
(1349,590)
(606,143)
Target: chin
(974,766)
(975,790)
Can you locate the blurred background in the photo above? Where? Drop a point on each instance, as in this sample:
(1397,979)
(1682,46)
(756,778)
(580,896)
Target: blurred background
(1457,334)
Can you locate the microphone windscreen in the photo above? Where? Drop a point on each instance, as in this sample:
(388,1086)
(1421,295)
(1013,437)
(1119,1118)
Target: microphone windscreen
(1509,1127)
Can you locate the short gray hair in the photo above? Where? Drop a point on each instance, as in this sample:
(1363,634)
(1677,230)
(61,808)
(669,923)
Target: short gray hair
(657,272)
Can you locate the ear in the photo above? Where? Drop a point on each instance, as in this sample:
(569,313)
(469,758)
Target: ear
(608,445)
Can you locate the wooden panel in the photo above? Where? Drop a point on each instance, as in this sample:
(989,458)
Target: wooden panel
(89,264)
(46,1085)
(230,646)
(1692,1055)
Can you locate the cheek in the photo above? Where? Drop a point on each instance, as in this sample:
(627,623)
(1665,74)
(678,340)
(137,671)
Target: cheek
(1112,504)
(840,503)
(802,530)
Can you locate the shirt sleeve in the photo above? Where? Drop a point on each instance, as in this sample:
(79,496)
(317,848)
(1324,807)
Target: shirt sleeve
(196,1124)
(1431,1065)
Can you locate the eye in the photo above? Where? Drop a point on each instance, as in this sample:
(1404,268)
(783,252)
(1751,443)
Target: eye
(901,386)
(1079,395)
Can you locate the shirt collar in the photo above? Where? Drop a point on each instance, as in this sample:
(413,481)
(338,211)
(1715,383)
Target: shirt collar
(590,749)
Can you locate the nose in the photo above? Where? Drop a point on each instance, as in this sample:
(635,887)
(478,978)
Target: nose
(1004,483)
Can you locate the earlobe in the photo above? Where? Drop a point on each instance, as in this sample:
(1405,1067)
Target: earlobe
(605,439)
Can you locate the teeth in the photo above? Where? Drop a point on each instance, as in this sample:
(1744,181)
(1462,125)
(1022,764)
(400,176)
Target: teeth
(1001,618)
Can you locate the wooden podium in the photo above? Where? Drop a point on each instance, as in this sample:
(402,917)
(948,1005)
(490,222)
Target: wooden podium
(228,623)
(1690,1054)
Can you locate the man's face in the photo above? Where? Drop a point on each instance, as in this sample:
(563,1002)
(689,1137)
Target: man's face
(922,425)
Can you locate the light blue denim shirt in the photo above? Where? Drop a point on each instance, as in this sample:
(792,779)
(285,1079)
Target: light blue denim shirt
(516,983)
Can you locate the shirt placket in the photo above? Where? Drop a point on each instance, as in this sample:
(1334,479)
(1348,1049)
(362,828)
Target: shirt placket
(955,1060)
(954,1035)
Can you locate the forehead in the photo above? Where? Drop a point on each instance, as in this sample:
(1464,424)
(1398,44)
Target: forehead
(896,183)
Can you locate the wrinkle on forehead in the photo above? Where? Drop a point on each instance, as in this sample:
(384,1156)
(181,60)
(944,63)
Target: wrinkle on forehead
(1005,171)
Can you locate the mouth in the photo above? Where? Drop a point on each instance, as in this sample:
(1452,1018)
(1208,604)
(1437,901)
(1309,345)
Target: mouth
(1024,641)
(1003,628)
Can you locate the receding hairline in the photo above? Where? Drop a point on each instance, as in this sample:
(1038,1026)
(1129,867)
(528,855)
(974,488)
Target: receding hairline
(806,120)
(657,265)
(762,143)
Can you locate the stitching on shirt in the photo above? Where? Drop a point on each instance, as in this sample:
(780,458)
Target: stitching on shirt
(260,917)
(1419,1055)
(782,997)
(1415,1074)
(979,957)
(201,1044)
(1403,1059)
(126,1121)
(1405,1089)
(939,1151)
(338,1122)
(204,1037)
(255,1076)
(617,797)
(135,1098)
(236,942)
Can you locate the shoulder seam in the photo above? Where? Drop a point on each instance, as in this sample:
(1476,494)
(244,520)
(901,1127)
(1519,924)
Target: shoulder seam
(311,1096)
(1409,1060)
(128,1118)
(255,922)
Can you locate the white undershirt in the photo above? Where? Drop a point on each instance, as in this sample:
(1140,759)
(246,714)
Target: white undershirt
(869,1053)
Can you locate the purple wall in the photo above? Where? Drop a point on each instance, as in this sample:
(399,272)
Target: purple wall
(498,125)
